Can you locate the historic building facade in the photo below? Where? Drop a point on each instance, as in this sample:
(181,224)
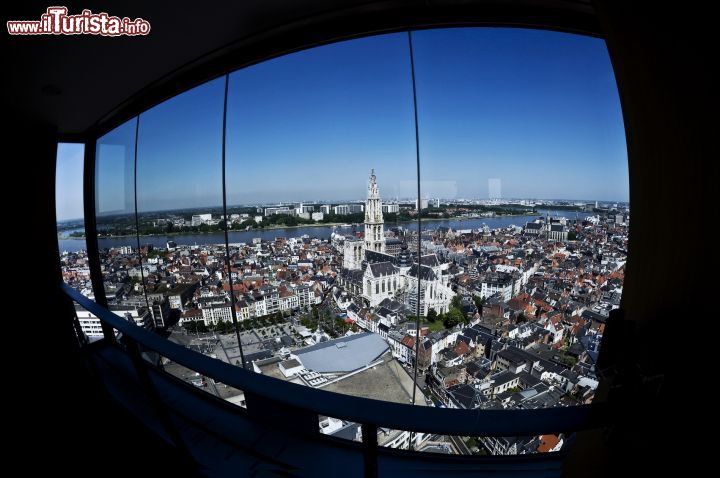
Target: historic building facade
(392,276)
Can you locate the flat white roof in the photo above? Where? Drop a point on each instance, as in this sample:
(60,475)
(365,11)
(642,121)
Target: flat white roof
(344,354)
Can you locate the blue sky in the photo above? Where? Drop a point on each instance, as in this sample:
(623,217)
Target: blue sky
(179,161)
(69,181)
(537,109)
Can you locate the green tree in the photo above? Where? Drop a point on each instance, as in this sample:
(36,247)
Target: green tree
(462,317)
(568,360)
(432,315)
(453,318)
(248,223)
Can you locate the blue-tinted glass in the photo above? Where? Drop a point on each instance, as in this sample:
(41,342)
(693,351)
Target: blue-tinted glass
(120,261)
(70,214)
(179,201)
(524,171)
(320,162)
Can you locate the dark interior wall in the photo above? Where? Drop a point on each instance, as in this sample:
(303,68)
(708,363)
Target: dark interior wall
(660,53)
(42,347)
(662,66)
(63,417)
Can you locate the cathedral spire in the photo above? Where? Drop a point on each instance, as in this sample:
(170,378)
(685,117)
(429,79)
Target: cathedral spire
(373,191)
(374,222)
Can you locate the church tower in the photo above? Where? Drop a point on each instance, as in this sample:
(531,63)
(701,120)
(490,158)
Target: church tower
(374,222)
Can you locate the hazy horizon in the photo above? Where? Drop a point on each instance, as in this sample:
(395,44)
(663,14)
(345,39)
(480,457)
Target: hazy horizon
(349,201)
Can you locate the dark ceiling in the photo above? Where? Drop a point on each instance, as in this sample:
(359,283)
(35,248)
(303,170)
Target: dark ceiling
(82,82)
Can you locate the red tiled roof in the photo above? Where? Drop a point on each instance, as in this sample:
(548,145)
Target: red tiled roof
(408,341)
(547,443)
(461,348)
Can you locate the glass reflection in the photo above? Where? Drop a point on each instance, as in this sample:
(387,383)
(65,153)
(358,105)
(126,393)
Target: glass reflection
(523,209)
(70,217)
(524,180)
(179,207)
(321,177)
(117,231)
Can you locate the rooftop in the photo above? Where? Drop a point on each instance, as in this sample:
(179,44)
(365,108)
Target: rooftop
(343,355)
(387,381)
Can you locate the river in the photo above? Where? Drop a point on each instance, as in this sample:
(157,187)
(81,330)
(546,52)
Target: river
(321,232)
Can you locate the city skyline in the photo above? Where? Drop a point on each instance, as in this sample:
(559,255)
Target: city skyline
(538,110)
(547,203)
(403,200)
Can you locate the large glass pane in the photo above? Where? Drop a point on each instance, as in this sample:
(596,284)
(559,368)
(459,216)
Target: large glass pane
(70,217)
(120,262)
(321,177)
(524,170)
(180,215)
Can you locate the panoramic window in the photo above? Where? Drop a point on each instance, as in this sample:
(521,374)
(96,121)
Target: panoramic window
(524,186)
(179,200)
(181,220)
(287,220)
(320,163)
(70,217)
(116,224)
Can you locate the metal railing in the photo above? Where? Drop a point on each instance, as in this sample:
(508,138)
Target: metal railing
(296,407)
(441,421)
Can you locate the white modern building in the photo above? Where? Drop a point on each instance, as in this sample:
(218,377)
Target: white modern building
(341,209)
(390,208)
(497,282)
(214,313)
(89,324)
(269,211)
(199,219)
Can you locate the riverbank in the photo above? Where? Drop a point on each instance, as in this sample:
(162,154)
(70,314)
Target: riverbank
(216,231)
(300,226)
(319,231)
